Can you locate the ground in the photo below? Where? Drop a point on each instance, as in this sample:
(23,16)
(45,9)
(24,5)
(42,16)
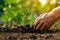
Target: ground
(27,33)
(30,36)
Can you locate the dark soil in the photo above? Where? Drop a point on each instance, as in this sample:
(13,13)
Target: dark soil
(28,33)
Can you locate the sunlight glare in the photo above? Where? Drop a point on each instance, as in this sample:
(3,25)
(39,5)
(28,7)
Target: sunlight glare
(43,2)
(53,1)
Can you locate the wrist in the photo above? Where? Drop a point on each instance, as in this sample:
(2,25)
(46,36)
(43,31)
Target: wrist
(55,12)
(54,16)
(57,15)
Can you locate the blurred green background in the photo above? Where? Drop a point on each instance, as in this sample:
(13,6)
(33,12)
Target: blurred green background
(24,12)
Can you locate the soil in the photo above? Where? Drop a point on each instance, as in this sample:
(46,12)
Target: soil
(28,33)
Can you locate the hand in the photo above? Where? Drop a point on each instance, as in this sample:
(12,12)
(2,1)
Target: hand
(44,21)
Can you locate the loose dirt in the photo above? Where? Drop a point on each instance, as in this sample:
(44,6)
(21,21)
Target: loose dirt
(28,33)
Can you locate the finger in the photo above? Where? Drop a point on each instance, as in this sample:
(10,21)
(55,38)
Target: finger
(36,22)
(43,27)
(39,25)
(38,19)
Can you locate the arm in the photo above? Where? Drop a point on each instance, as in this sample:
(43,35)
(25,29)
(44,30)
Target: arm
(55,12)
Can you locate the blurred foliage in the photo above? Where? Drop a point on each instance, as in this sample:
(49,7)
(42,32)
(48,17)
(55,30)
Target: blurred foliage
(16,12)
(24,12)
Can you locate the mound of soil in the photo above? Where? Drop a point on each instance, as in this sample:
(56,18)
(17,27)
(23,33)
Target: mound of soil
(28,33)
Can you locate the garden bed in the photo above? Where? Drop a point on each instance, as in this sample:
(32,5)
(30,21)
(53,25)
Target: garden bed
(28,33)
